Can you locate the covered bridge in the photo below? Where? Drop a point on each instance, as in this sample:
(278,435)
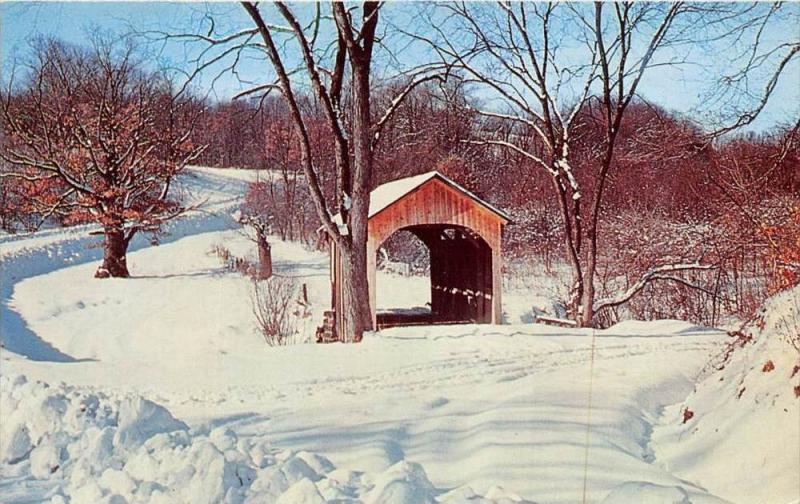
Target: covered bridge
(463,235)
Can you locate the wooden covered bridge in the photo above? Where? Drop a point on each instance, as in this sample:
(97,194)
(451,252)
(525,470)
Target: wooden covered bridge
(463,234)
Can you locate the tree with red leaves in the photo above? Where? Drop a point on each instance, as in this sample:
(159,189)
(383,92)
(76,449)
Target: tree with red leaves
(91,136)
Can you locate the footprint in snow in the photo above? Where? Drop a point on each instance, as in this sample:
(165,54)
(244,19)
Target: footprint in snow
(438,403)
(512,377)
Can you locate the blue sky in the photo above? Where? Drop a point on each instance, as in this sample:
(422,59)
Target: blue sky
(682,89)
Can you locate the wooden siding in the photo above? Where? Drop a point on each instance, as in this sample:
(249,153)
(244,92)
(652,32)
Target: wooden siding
(466,271)
(437,203)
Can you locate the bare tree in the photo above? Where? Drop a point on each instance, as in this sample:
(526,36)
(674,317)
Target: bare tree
(524,55)
(16,211)
(282,192)
(350,122)
(755,185)
(763,51)
(272,301)
(97,138)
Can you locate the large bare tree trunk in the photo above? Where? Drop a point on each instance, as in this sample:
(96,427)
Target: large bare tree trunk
(352,181)
(587,304)
(356,315)
(115,248)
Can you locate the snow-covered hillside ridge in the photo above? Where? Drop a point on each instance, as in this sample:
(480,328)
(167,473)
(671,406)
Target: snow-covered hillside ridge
(78,446)
(213,193)
(738,433)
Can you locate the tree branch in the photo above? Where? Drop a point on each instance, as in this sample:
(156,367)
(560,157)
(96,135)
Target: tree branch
(657,273)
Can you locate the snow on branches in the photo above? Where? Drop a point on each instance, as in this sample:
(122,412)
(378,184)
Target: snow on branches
(91,136)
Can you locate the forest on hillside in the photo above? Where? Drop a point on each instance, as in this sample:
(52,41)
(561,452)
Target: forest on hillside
(672,195)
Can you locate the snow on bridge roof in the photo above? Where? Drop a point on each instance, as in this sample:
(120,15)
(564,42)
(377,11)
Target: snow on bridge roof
(385,194)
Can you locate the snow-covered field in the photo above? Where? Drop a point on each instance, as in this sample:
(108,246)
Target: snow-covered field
(171,395)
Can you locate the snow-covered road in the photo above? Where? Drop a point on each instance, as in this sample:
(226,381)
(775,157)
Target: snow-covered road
(475,405)
(27,255)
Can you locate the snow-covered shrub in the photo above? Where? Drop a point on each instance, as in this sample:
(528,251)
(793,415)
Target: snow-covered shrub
(534,235)
(278,310)
(405,254)
(542,306)
(234,263)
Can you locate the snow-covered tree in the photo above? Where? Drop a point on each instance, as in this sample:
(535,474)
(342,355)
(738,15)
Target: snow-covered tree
(543,66)
(339,74)
(92,136)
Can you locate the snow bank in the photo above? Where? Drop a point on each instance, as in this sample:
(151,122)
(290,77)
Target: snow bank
(477,405)
(738,433)
(641,328)
(84,446)
(631,492)
(216,192)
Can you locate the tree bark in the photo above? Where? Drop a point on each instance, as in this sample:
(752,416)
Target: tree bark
(115,248)
(356,315)
(264,258)
(353,185)
(587,308)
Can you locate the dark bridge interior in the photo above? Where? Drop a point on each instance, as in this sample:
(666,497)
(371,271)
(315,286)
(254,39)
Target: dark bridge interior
(461,278)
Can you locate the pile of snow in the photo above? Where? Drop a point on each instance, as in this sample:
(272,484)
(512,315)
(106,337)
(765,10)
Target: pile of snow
(543,306)
(83,446)
(642,328)
(634,492)
(477,405)
(738,433)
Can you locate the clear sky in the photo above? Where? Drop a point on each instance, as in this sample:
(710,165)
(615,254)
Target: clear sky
(682,89)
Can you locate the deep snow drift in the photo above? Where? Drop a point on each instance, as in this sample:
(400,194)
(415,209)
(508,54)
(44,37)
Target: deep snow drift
(64,444)
(478,407)
(743,438)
